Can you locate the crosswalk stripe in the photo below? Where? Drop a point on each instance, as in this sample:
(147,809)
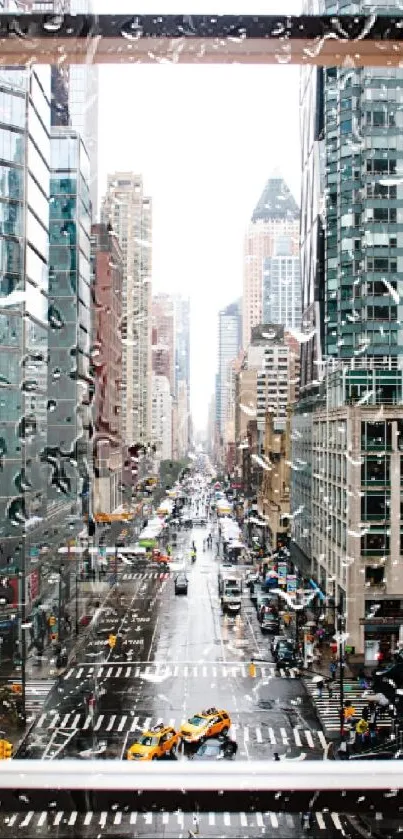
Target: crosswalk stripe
(134,724)
(41,720)
(259,820)
(56,717)
(272,737)
(284,735)
(98,723)
(227,819)
(336,821)
(128,671)
(259,737)
(118,818)
(133,817)
(118,672)
(122,723)
(76,720)
(80,672)
(87,721)
(111,722)
(147,723)
(321,821)
(274,820)
(322,739)
(65,720)
(42,818)
(88,818)
(246,734)
(211,819)
(27,819)
(102,819)
(57,819)
(244,820)
(309,739)
(298,741)
(109,672)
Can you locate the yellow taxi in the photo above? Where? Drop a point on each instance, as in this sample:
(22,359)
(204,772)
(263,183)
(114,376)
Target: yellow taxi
(208,723)
(154,743)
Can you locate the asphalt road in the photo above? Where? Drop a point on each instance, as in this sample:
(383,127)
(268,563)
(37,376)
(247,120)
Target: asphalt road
(177,655)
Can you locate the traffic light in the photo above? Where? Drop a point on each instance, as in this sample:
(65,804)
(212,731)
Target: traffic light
(16,688)
(52,620)
(112,641)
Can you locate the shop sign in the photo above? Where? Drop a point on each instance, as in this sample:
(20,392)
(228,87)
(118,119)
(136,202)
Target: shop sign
(291,583)
(32,587)
(282,573)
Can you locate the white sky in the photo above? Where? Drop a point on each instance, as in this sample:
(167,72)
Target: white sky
(205,139)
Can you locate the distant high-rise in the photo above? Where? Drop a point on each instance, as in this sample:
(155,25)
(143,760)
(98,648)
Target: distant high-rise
(129,213)
(229,343)
(163,336)
(275,217)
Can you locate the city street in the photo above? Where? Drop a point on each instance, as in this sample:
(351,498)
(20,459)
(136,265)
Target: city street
(175,655)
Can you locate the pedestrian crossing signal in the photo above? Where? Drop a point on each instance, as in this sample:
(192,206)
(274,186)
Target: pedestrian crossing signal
(52,620)
(112,641)
(252,670)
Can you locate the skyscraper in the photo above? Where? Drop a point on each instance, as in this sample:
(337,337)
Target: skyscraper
(274,219)
(129,213)
(346,429)
(229,343)
(163,327)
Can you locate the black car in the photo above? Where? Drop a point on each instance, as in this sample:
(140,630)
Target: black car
(216,749)
(269,623)
(285,653)
(181,584)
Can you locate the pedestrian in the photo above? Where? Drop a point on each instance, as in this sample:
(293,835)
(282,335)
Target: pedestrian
(333,670)
(320,685)
(67,621)
(329,686)
(276,756)
(343,750)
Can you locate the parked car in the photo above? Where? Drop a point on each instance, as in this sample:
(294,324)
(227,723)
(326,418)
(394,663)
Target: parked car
(181,584)
(255,589)
(251,577)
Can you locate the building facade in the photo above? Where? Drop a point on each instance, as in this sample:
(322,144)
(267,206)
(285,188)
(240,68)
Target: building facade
(282,286)
(129,213)
(161,428)
(107,282)
(351,390)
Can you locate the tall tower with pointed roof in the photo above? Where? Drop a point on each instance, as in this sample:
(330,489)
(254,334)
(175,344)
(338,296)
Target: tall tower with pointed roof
(275,219)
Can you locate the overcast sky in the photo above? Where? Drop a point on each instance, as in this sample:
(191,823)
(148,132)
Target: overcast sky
(205,139)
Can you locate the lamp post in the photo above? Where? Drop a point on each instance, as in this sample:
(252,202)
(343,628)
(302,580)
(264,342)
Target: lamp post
(61,570)
(341,640)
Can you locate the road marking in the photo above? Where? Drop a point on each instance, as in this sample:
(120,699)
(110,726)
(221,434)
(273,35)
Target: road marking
(336,821)
(41,720)
(272,737)
(214,672)
(99,672)
(259,737)
(137,673)
(124,747)
(185,671)
(263,672)
(87,818)
(118,818)
(111,722)
(274,820)
(11,820)
(195,671)
(284,735)
(73,818)
(128,671)
(244,820)
(259,820)
(211,819)
(246,734)
(57,819)
(321,821)
(134,724)
(27,819)
(42,818)
(102,819)
(165,818)
(133,817)
(322,739)
(122,723)
(227,820)
(79,673)
(67,675)
(76,720)
(298,741)
(204,670)
(98,723)
(109,672)
(224,672)
(176,670)
(309,739)
(54,721)
(88,721)
(118,672)
(147,723)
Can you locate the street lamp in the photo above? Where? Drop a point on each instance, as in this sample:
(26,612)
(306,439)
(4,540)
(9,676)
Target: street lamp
(61,570)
